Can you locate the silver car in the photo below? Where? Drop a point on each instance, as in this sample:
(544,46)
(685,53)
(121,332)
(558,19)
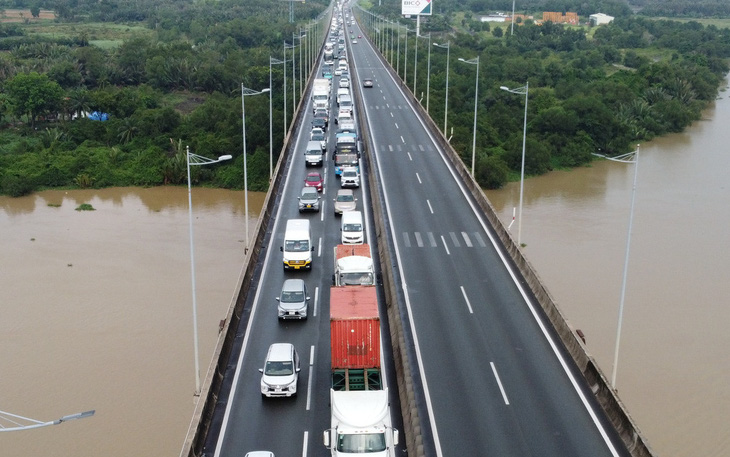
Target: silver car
(293,300)
(345,201)
(280,372)
(309,200)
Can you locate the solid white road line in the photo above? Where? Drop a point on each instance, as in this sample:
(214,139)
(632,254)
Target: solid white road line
(309,389)
(316,301)
(466,299)
(499,383)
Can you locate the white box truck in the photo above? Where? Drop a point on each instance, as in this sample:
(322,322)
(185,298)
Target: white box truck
(321,90)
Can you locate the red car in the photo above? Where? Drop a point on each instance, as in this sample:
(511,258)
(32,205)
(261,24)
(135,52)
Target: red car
(315,180)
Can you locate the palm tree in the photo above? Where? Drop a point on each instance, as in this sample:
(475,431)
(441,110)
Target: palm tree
(127,130)
(79,102)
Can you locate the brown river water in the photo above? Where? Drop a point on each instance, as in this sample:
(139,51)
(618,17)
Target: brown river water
(97,313)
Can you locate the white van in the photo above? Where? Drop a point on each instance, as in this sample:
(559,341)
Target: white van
(353,231)
(297,248)
(313,153)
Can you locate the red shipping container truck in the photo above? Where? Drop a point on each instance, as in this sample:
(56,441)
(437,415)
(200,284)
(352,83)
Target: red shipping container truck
(354,327)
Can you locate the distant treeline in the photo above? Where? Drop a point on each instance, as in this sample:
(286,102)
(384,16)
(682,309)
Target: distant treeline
(178,84)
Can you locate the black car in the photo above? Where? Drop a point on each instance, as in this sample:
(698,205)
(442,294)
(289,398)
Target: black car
(319,122)
(322,113)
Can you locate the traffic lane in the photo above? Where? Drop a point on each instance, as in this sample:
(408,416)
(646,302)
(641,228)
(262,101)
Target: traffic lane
(467,329)
(465,394)
(400,176)
(426,230)
(265,330)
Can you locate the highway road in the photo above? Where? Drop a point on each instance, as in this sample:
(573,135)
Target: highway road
(494,379)
(291,426)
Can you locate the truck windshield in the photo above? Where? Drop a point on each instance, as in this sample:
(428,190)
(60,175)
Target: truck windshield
(296,246)
(356,279)
(361,443)
(346,159)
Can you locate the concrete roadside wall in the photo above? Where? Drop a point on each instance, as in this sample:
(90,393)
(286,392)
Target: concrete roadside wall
(605,395)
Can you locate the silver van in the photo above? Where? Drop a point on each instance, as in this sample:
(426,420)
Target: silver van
(313,153)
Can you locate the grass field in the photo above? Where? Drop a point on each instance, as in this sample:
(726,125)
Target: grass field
(103,35)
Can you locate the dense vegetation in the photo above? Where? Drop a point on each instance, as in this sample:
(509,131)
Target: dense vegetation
(591,89)
(170,73)
(177,85)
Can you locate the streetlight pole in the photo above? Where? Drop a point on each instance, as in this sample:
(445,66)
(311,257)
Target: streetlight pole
(524,90)
(194,159)
(244,92)
(415,64)
(300,58)
(286,127)
(405,60)
(474,61)
(293,78)
(512,28)
(397,62)
(447,46)
(631,157)
(272,61)
(428,73)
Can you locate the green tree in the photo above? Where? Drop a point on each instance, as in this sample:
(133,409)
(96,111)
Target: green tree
(33,94)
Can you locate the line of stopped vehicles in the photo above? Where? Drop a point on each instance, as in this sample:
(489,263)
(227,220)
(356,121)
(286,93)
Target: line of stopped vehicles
(360,408)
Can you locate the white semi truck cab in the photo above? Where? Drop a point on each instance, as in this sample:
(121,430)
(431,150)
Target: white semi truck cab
(361,424)
(353,266)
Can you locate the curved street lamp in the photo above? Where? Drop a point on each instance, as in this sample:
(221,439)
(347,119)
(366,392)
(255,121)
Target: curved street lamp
(26,423)
(244,92)
(293,77)
(273,61)
(524,90)
(193,160)
(631,157)
(474,61)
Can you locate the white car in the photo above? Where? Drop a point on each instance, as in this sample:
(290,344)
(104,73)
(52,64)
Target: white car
(338,71)
(344,115)
(344,81)
(320,135)
(280,372)
(350,177)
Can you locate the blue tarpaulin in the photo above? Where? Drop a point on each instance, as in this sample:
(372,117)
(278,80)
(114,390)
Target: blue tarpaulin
(99,116)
